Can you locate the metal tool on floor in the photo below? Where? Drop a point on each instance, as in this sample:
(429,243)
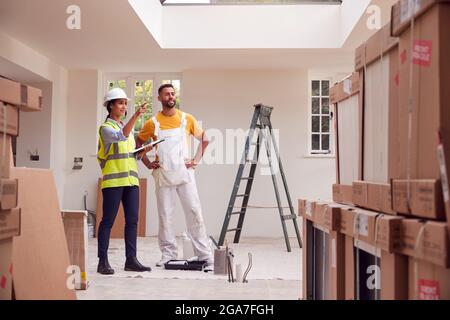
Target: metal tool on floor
(260,122)
(185,265)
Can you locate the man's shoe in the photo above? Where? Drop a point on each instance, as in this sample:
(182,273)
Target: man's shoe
(162,262)
(104,267)
(132,264)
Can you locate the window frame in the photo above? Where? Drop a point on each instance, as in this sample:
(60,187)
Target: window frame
(132,78)
(317,153)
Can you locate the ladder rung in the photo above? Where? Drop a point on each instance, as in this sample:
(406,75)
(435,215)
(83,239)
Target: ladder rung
(290,217)
(242,195)
(236,212)
(236,229)
(252,161)
(254,143)
(247,178)
(259,126)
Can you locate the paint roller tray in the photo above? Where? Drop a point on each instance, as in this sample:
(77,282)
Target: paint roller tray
(185,265)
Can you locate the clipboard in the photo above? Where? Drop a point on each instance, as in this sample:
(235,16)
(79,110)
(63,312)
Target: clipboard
(154,143)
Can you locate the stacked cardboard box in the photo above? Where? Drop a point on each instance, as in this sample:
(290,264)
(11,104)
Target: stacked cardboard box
(13,97)
(402,124)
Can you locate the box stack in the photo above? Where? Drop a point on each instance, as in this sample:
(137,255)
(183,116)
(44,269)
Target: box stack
(390,236)
(13,97)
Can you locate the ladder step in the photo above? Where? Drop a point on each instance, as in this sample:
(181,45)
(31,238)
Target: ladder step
(247,178)
(252,161)
(236,229)
(259,126)
(241,195)
(290,217)
(236,212)
(254,143)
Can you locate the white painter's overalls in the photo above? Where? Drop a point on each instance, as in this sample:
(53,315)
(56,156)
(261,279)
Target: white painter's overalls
(174,178)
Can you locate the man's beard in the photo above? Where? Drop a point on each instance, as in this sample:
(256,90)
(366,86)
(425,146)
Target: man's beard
(171,104)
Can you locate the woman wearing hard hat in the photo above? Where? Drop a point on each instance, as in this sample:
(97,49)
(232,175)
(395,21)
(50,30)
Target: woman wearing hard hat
(120,181)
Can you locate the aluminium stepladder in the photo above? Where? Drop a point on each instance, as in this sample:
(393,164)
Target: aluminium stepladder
(260,122)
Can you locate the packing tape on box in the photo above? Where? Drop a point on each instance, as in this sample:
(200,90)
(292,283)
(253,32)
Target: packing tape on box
(417,255)
(410,109)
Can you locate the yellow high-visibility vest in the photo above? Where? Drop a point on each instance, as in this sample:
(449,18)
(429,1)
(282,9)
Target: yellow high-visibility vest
(118,163)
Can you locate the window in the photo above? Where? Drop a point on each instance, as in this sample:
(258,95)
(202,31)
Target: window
(142,88)
(321,116)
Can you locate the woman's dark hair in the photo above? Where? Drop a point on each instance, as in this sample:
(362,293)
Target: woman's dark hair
(109,108)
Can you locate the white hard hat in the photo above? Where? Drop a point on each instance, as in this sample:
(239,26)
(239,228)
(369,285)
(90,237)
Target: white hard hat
(113,94)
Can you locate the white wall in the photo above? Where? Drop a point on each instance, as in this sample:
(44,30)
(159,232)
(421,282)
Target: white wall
(81,141)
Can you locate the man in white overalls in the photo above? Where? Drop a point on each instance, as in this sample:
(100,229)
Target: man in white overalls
(174,174)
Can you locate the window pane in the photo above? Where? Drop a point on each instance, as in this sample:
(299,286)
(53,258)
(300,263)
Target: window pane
(326,124)
(326,142)
(143,92)
(315,142)
(325,88)
(315,124)
(315,105)
(117,84)
(316,88)
(177,86)
(325,105)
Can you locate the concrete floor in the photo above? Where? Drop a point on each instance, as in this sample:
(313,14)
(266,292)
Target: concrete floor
(275,275)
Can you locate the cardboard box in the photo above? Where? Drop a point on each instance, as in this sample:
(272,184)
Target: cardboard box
(10,223)
(323,263)
(373,196)
(381,112)
(6,268)
(306,208)
(25,97)
(6,159)
(348,137)
(346,88)
(423,54)
(428,281)
(404,10)
(343,194)
(76,230)
(347,221)
(380,43)
(425,198)
(8,193)
(387,232)
(394,276)
(427,241)
(382,275)
(327,215)
(117,232)
(40,254)
(364,225)
(349,273)
(10,115)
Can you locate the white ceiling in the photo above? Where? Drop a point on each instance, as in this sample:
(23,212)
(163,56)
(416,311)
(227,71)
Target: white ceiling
(112,38)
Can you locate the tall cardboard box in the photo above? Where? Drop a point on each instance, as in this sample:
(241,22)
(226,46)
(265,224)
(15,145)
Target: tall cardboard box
(428,281)
(423,53)
(76,230)
(9,228)
(323,255)
(6,268)
(378,57)
(347,102)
